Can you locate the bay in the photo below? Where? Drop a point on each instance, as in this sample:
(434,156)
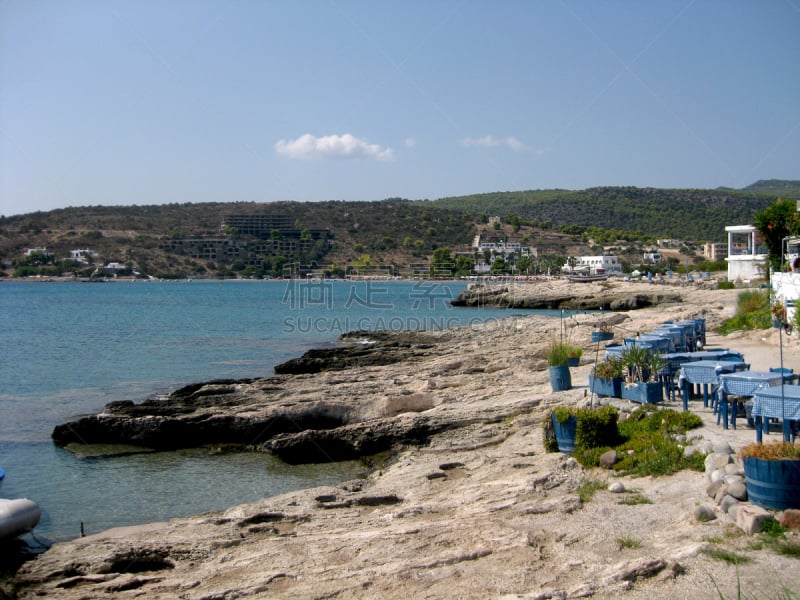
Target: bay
(70,348)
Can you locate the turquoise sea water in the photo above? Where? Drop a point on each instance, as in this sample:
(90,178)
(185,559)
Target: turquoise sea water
(70,348)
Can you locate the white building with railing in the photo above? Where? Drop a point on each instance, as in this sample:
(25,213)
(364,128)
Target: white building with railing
(747,256)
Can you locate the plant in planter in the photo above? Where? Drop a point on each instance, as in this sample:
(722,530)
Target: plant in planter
(603,333)
(772,474)
(581,429)
(607,378)
(640,368)
(557,360)
(574,356)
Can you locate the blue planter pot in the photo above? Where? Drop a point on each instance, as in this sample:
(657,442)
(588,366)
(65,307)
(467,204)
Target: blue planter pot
(565,434)
(560,378)
(644,393)
(573,361)
(606,387)
(602,336)
(772,483)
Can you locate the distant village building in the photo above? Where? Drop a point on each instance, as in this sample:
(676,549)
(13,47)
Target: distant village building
(43,251)
(595,265)
(668,243)
(497,248)
(252,239)
(715,250)
(84,255)
(257,225)
(747,256)
(651,258)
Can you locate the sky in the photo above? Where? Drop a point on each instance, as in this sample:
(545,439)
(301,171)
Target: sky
(113,102)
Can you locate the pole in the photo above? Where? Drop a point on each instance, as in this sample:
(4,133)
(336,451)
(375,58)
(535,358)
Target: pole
(786,435)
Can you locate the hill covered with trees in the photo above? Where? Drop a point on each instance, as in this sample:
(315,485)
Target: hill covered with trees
(691,214)
(179,240)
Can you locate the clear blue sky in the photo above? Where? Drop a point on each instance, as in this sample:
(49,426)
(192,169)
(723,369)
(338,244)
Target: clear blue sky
(151,101)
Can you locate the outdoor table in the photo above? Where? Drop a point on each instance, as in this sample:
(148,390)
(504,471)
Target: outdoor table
(742,383)
(677,359)
(661,343)
(691,333)
(676,334)
(705,372)
(721,354)
(778,402)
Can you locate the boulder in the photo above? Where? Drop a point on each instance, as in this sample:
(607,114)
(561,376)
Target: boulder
(751,518)
(608,459)
(790,518)
(703,513)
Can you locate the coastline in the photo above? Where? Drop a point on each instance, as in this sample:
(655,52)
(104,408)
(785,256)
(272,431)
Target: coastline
(477,510)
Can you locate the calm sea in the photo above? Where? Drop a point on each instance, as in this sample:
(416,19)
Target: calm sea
(69,348)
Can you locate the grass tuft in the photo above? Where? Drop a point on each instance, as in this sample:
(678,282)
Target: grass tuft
(628,542)
(588,488)
(732,558)
(634,499)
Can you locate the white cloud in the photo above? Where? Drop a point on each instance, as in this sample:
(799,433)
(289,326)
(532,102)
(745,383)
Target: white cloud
(489,141)
(332,146)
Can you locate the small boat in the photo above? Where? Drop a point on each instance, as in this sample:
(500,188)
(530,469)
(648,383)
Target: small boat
(585,278)
(18,516)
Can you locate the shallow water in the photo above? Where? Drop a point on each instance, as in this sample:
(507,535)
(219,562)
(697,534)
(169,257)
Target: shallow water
(70,348)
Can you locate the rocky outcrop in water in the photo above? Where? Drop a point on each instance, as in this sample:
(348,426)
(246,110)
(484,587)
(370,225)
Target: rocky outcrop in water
(563,294)
(312,425)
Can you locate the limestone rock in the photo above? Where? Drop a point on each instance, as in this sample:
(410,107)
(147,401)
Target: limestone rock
(738,490)
(751,519)
(713,487)
(727,503)
(790,518)
(608,459)
(704,513)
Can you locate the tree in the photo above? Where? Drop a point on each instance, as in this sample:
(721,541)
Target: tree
(524,264)
(441,262)
(464,265)
(774,223)
(499,266)
(363,263)
(572,262)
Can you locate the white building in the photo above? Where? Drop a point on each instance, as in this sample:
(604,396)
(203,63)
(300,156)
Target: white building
(84,255)
(595,265)
(651,258)
(747,257)
(715,250)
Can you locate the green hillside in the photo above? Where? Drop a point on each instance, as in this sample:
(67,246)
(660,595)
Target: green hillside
(699,215)
(179,240)
(785,188)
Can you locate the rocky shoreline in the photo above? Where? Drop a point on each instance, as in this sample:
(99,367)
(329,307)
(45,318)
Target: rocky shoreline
(463,502)
(555,294)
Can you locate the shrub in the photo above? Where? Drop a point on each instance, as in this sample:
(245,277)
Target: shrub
(596,428)
(752,312)
(558,354)
(726,285)
(609,369)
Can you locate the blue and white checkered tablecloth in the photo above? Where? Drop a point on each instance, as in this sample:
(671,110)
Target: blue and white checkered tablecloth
(707,371)
(746,383)
(661,343)
(778,402)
